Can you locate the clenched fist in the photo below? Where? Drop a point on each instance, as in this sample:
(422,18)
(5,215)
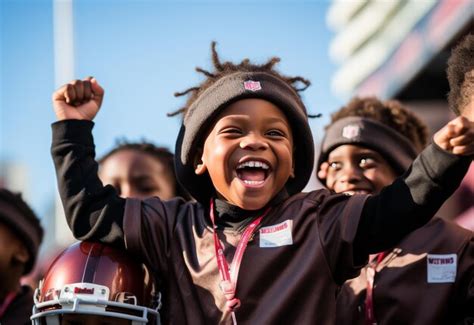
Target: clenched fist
(78,100)
(457,137)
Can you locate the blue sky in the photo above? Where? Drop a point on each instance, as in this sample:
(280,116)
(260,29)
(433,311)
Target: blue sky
(142,52)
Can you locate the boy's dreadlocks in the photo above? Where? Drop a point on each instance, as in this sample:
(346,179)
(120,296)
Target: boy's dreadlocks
(460,74)
(226,68)
(225,85)
(389,112)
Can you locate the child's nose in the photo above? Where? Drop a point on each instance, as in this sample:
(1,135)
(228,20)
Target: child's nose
(253,142)
(351,173)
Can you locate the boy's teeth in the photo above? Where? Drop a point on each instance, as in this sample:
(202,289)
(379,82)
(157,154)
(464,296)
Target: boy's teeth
(252,182)
(252,163)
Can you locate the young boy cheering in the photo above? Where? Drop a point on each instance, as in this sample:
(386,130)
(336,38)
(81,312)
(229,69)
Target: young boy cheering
(427,278)
(245,152)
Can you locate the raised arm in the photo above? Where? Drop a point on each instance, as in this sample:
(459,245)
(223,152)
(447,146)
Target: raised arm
(93,212)
(414,198)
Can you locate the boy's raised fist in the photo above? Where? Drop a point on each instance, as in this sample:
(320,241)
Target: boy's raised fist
(78,100)
(457,136)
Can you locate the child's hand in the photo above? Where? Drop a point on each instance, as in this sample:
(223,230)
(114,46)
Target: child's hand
(78,100)
(457,137)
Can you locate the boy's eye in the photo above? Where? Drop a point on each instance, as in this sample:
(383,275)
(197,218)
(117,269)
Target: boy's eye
(367,162)
(231,131)
(275,133)
(335,165)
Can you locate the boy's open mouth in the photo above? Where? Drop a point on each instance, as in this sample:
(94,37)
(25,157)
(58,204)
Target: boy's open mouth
(253,172)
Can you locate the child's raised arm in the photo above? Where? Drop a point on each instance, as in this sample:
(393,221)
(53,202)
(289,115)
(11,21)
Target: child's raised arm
(93,212)
(78,100)
(414,198)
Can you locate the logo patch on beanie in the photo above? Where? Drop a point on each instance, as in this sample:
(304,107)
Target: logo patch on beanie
(252,85)
(351,131)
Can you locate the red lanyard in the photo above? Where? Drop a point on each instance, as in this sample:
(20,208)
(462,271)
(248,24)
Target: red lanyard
(369,298)
(6,303)
(229,275)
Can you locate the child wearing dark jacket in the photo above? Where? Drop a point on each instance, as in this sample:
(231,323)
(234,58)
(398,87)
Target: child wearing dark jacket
(426,278)
(252,249)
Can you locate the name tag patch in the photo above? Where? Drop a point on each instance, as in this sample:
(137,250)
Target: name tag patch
(441,268)
(277,235)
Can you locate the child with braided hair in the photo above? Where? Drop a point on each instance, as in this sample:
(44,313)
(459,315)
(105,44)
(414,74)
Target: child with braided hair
(252,249)
(404,284)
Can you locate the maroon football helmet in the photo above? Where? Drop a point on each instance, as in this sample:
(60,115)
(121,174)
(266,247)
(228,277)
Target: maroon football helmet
(92,283)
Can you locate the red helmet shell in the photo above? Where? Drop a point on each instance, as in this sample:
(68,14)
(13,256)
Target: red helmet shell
(94,271)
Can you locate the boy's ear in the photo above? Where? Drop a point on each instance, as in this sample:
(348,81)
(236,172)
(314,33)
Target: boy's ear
(199,166)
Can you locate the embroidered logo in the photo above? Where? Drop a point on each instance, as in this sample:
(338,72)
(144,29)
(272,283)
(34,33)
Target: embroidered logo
(252,85)
(351,131)
(441,268)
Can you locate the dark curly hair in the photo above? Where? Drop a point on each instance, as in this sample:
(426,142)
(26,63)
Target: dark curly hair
(162,154)
(391,113)
(222,69)
(460,73)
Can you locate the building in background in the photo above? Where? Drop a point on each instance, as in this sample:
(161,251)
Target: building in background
(399,49)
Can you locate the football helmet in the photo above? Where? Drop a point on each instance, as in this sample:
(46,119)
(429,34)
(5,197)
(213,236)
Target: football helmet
(93,283)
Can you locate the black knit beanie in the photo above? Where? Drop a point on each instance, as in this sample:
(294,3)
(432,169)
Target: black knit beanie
(18,216)
(241,85)
(392,145)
